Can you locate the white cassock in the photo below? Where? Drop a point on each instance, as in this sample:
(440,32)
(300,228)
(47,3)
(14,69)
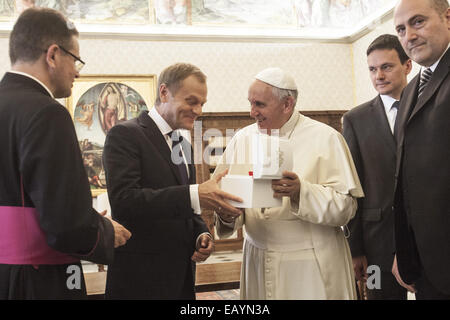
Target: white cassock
(299,252)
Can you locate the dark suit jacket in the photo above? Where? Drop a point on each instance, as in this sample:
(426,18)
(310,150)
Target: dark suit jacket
(422,204)
(372,144)
(148,199)
(38,143)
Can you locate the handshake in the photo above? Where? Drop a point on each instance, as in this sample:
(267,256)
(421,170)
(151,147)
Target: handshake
(213,198)
(210,196)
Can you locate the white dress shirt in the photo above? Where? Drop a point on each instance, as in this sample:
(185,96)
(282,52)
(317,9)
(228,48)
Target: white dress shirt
(434,65)
(391,113)
(165,129)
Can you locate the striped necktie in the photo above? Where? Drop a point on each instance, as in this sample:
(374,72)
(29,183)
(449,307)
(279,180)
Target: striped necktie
(424,79)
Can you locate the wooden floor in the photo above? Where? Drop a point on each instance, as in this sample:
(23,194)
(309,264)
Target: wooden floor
(218,276)
(219,295)
(210,277)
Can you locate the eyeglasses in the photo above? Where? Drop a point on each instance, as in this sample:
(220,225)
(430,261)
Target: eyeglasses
(79,64)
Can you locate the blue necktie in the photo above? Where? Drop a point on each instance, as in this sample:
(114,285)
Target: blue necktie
(177,155)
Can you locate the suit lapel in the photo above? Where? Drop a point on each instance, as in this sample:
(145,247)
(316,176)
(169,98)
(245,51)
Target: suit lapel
(381,121)
(436,80)
(152,132)
(407,103)
(410,104)
(21,81)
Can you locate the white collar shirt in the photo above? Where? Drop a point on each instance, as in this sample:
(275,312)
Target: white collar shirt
(166,129)
(391,113)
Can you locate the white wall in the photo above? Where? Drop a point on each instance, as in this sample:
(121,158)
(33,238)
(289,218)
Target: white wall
(323,72)
(330,76)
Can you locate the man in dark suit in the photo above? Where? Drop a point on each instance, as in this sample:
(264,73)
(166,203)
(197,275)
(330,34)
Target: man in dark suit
(152,190)
(368,130)
(422,205)
(47,223)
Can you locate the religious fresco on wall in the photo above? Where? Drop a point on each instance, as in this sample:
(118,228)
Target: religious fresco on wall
(97,104)
(96,112)
(335,13)
(231,13)
(86,11)
(171,11)
(7,9)
(102,11)
(250,12)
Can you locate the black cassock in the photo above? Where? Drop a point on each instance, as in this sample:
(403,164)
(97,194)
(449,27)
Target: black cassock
(39,152)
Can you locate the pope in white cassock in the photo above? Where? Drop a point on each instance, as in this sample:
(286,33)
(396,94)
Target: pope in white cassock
(298,250)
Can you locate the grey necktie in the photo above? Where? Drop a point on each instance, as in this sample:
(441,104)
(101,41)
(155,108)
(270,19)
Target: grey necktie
(424,79)
(395,106)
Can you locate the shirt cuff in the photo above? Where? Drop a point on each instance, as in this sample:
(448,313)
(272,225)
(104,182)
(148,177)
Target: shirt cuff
(198,238)
(227,224)
(195,200)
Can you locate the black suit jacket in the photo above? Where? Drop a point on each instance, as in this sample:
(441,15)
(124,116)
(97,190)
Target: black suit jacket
(147,197)
(39,144)
(372,144)
(422,204)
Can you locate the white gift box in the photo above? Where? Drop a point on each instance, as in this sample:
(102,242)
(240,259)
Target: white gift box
(255,193)
(271,156)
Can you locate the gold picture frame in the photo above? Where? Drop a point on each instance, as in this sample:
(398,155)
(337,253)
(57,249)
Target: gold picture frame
(97,103)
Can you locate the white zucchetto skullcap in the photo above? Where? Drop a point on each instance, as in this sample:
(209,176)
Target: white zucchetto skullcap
(277,77)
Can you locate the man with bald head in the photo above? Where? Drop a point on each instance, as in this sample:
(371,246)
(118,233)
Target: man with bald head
(298,250)
(422,207)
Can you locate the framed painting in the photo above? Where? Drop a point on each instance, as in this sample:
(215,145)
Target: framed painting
(98,103)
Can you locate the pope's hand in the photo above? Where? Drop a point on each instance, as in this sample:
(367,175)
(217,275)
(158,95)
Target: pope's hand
(287,186)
